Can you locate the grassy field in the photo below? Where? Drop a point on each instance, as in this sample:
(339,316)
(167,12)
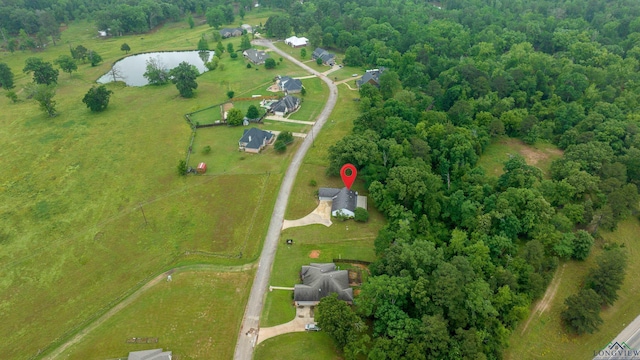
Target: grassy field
(192,316)
(545,337)
(497,153)
(309,346)
(91,205)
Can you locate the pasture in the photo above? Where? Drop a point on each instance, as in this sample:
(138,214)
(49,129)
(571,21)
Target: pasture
(540,155)
(314,346)
(91,205)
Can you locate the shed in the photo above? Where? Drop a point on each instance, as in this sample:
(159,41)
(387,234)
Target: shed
(202,168)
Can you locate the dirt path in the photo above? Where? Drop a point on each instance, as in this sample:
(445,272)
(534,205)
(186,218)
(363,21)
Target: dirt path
(131,298)
(543,305)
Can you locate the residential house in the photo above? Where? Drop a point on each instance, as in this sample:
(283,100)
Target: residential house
(286,105)
(343,201)
(255,56)
(289,85)
(320,280)
(253,140)
(296,42)
(327,57)
(370,77)
(248,28)
(230,32)
(155,354)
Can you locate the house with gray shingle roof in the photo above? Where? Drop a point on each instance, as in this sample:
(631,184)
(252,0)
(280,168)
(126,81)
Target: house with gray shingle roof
(343,201)
(327,57)
(230,32)
(155,354)
(370,77)
(255,56)
(289,85)
(253,140)
(286,105)
(320,280)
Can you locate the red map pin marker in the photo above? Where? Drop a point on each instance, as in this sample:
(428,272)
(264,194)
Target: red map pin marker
(348,179)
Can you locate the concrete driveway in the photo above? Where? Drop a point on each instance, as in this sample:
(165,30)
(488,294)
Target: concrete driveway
(303,316)
(320,215)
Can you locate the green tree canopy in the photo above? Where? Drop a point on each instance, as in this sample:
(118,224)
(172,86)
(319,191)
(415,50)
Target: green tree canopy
(97,98)
(43,94)
(184,77)
(252,112)
(582,313)
(43,72)
(606,279)
(67,64)
(336,319)
(6,76)
(125,47)
(234,117)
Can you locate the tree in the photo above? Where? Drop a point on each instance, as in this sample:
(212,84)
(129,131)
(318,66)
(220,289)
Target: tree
(67,64)
(43,94)
(286,137)
(203,45)
(213,64)
(48,25)
(252,112)
(361,214)
(219,49)
(606,279)
(241,13)
(245,43)
(184,77)
(215,17)
(125,47)
(156,73)
(43,72)
(79,53)
(280,146)
(230,48)
(182,168)
(230,94)
(234,117)
(353,56)
(389,84)
(6,77)
(303,91)
(582,314)
(269,63)
(303,53)
(94,58)
(278,26)
(97,98)
(336,319)
(191,22)
(319,61)
(582,245)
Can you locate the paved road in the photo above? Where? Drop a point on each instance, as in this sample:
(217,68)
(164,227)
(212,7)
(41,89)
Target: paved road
(248,330)
(631,337)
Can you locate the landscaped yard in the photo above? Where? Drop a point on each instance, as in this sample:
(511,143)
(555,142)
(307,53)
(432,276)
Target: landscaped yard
(195,315)
(545,337)
(307,345)
(92,205)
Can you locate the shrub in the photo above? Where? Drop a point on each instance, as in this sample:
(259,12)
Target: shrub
(230,94)
(269,63)
(248,65)
(313,182)
(280,146)
(182,168)
(286,137)
(12,96)
(319,61)
(361,215)
(206,150)
(234,55)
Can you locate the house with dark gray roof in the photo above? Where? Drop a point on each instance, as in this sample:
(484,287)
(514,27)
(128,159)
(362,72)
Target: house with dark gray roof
(370,77)
(289,85)
(286,105)
(343,201)
(230,32)
(320,280)
(327,57)
(253,140)
(255,56)
(155,354)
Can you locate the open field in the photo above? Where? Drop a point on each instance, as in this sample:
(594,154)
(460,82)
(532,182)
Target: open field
(91,205)
(497,153)
(545,336)
(185,315)
(307,345)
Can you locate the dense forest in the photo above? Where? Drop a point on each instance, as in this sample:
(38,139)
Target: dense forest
(464,254)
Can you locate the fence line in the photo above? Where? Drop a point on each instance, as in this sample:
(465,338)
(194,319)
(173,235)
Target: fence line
(351,261)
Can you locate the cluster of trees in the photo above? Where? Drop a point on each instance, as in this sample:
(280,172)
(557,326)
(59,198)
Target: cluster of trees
(464,254)
(284,138)
(582,313)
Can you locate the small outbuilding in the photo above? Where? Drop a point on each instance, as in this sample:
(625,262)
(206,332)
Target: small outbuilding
(155,354)
(202,168)
(320,280)
(296,42)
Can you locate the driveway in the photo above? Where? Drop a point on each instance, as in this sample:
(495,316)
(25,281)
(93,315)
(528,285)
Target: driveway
(248,334)
(319,215)
(303,316)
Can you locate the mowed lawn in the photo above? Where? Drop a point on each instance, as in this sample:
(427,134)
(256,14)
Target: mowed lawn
(91,204)
(294,346)
(540,154)
(195,316)
(546,337)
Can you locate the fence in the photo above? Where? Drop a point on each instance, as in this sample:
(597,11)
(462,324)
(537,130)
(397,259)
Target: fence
(350,261)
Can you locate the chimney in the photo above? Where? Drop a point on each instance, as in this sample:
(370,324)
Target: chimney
(249,138)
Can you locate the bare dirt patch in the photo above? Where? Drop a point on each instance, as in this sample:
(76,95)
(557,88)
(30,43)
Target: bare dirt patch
(532,155)
(543,305)
(227,106)
(314,254)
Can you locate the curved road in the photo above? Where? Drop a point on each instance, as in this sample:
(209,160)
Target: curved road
(250,322)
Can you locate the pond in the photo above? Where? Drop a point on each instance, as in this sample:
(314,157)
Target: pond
(133,67)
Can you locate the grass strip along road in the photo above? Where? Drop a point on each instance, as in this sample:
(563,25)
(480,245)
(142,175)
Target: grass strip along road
(251,320)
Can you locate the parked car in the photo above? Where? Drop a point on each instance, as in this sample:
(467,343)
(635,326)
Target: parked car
(311,327)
